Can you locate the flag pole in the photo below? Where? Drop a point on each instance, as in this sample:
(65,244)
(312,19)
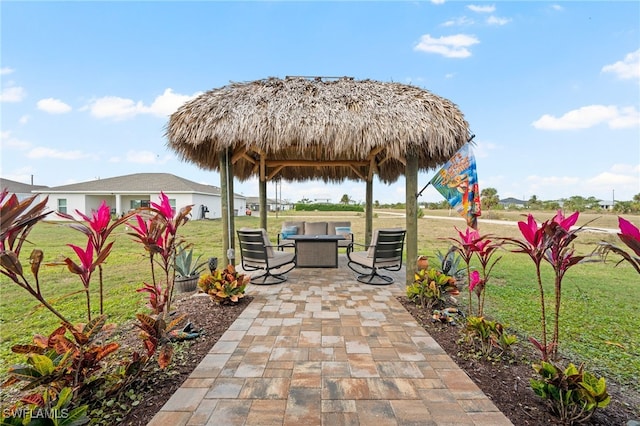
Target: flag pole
(422,190)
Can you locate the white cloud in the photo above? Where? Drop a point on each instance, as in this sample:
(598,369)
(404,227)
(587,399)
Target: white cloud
(122,108)
(43,152)
(609,179)
(557,7)
(437,1)
(24,119)
(12,94)
(8,141)
(115,107)
(458,22)
(167,103)
(482,149)
(144,157)
(495,20)
(53,106)
(6,71)
(482,9)
(455,46)
(628,68)
(624,179)
(589,116)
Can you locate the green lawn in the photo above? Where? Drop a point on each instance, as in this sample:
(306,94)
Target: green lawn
(599,318)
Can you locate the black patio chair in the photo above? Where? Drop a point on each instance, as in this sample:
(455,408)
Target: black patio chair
(384,253)
(257,254)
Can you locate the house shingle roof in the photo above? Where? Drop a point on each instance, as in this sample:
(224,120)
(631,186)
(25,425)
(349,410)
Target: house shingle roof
(138,182)
(19,187)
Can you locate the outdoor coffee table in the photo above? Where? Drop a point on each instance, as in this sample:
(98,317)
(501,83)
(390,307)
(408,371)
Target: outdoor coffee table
(316,251)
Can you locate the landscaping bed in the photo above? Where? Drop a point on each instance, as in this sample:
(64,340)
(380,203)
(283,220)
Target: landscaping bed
(506,383)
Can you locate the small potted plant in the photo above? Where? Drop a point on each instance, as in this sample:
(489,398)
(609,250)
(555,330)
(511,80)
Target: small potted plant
(187,270)
(224,286)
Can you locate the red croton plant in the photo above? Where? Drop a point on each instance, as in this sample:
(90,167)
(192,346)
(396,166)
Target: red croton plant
(630,235)
(550,241)
(68,369)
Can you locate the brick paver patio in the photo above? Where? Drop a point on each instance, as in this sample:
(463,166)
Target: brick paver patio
(323,349)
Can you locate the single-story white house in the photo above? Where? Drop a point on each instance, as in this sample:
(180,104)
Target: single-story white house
(22,190)
(125,193)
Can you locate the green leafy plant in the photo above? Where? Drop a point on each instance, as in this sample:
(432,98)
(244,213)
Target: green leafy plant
(224,286)
(451,264)
(155,335)
(489,335)
(60,361)
(431,287)
(186,265)
(572,394)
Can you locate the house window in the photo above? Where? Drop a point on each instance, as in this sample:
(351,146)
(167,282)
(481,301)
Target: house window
(172,203)
(62,205)
(135,204)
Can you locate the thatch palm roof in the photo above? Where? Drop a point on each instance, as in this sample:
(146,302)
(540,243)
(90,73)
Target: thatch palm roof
(317,129)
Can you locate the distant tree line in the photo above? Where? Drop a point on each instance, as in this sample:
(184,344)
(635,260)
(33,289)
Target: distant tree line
(325,207)
(489,200)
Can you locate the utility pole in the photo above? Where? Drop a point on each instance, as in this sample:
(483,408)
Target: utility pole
(613,198)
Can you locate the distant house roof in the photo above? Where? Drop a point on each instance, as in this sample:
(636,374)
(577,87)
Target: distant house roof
(138,182)
(511,200)
(18,187)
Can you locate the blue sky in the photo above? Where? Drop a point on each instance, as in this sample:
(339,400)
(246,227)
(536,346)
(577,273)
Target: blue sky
(551,90)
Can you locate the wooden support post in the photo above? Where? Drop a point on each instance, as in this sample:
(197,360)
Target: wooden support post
(411,189)
(226,193)
(368,221)
(262,195)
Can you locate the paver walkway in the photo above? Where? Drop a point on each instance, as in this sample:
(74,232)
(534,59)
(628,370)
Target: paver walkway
(323,349)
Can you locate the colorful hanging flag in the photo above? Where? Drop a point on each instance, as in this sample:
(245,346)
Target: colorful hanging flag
(457,181)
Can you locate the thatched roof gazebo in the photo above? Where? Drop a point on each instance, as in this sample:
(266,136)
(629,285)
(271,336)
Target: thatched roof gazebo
(330,129)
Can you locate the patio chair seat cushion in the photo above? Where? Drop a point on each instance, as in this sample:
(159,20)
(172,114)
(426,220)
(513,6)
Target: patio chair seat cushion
(278,259)
(363,258)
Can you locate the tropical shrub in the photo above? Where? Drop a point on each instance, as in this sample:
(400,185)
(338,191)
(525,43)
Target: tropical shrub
(71,372)
(451,264)
(486,335)
(573,394)
(224,286)
(186,265)
(431,287)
